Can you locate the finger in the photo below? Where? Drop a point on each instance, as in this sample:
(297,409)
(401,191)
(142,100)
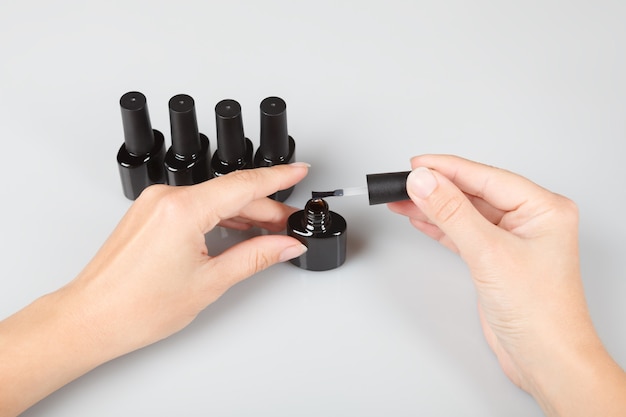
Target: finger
(264,213)
(239,223)
(420,221)
(450,210)
(249,257)
(267,213)
(236,224)
(409,209)
(489,212)
(502,189)
(435,233)
(224,197)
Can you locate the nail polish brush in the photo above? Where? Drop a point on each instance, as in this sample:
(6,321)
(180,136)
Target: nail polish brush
(381,188)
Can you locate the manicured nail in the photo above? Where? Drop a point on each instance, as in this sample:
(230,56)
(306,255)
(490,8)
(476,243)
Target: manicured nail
(300,164)
(421,182)
(292,252)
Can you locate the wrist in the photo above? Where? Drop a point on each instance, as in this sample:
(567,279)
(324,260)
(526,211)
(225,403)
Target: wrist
(43,347)
(572,372)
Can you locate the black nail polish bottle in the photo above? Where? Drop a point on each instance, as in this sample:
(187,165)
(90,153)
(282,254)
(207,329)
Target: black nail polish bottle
(234,150)
(140,158)
(187,161)
(276,146)
(323,232)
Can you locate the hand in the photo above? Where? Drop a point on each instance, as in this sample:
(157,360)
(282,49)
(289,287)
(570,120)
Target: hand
(150,279)
(520,243)
(155,267)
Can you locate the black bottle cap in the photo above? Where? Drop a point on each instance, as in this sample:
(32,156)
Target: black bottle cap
(184,126)
(387,187)
(231,142)
(138,135)
(274,144)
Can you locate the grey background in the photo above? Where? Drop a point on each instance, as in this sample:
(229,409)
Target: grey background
(536,87)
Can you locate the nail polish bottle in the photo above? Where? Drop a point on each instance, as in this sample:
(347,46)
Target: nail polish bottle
(276,146)
(323,232)
(140,158)
(234,150)
(187,161)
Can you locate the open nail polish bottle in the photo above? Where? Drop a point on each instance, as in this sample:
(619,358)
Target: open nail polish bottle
(140,158)
(276,146)
(234,150)
(323,232)
(188,160)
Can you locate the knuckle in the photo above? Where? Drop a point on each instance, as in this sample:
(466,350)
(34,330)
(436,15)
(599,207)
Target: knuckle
(568,210)
(563,210)
(170,203)
(569,206)
(245,176)
(450,209)
(152,192)
(259,261)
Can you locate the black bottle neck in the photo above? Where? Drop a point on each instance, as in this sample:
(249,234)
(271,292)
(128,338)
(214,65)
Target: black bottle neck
(317,216)
(231,142)
(138,134)
(184,125)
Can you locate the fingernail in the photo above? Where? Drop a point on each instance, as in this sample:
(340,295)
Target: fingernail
(292,252)
(300,164)
(421,182)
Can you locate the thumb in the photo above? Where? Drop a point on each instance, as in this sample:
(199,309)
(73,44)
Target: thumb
(251,256)
(447,207)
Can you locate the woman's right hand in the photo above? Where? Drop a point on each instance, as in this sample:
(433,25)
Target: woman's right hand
(520,242)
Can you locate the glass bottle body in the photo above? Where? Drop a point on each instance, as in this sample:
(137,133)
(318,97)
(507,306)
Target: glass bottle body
(323,232)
